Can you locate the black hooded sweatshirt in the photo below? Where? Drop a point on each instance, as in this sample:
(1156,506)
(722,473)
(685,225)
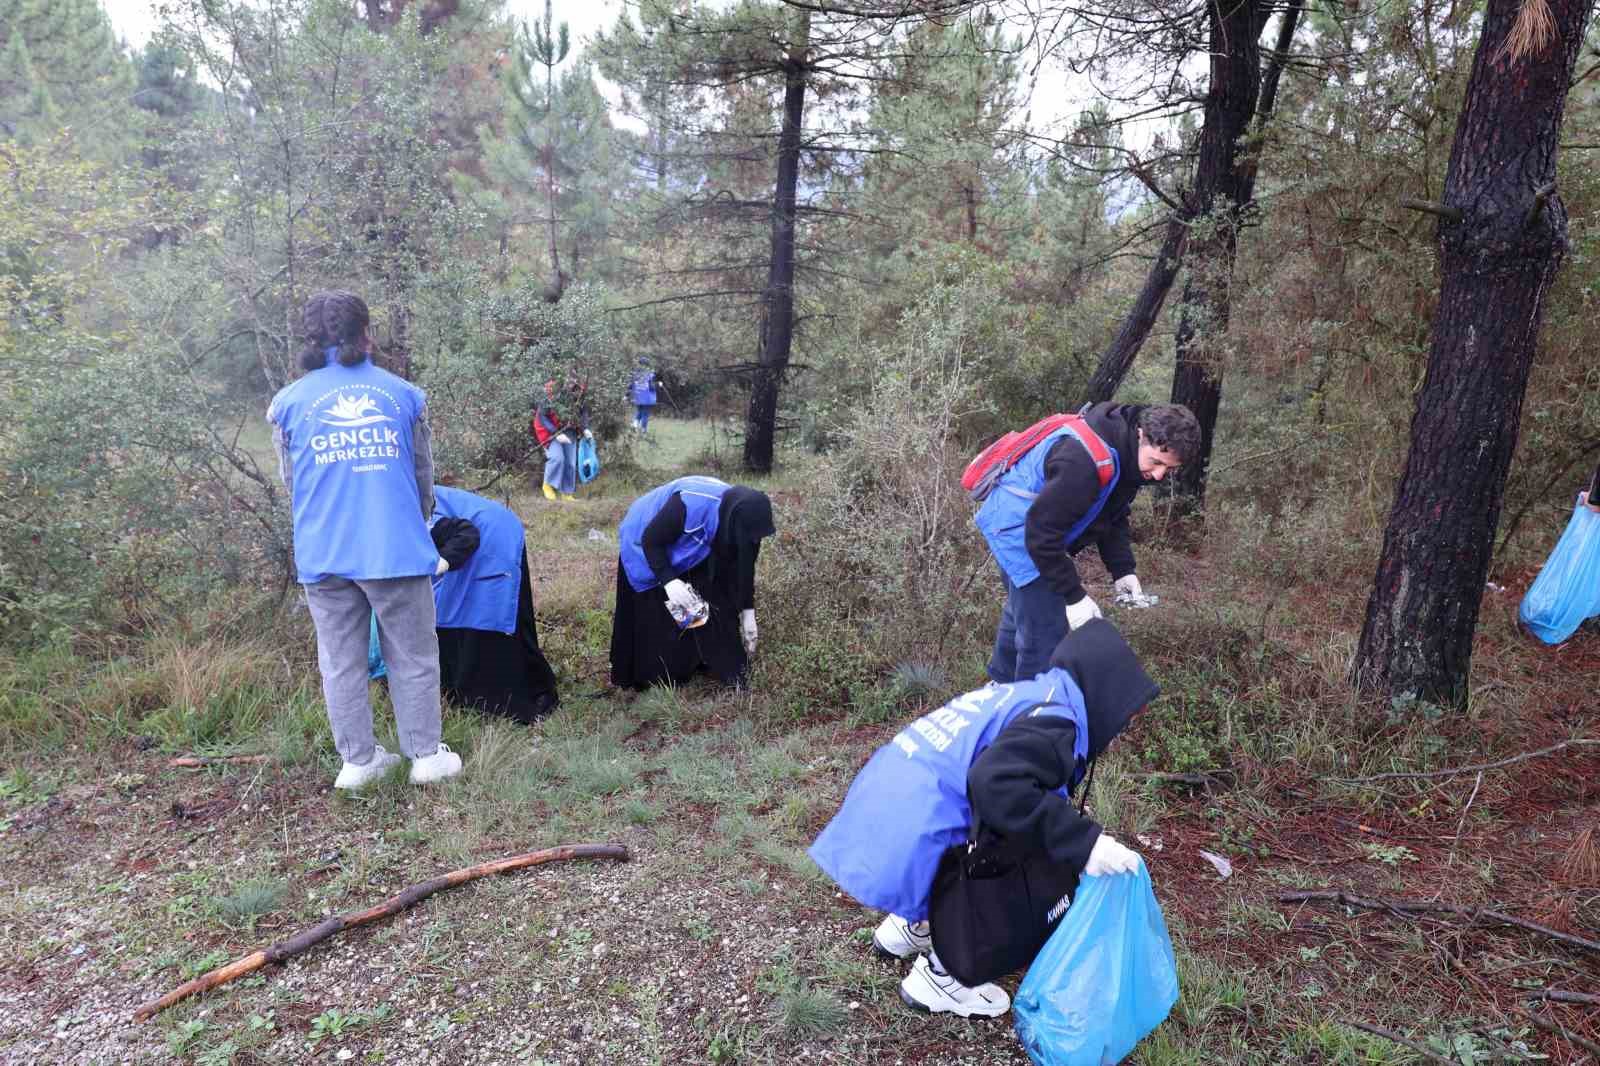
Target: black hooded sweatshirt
(1012,784)
(1070,487)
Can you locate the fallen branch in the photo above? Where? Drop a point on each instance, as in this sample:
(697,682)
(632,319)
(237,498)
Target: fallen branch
(1402,1041)
(1456,771)
(212,760)
(1200,780)
(1559,1030)
(1406,908)
(302,942)
(1559,995)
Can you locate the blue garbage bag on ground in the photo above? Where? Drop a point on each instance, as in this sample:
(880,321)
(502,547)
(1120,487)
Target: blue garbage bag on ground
(1103,981)
(1567,590)
(588,461)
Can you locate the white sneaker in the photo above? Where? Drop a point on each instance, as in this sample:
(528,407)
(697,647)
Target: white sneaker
(936,992)
(436,767)
(900,939)
(353,776)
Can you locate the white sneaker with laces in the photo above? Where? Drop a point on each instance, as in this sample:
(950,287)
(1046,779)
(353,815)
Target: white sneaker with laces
(900,939)
(353,775)
(928,988)
(436,767)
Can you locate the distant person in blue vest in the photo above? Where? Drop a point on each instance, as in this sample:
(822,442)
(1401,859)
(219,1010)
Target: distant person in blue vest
(355,452)
(489,657)
(1050,506)
(1009,754)
(556,427)
(642,393)
(689,548)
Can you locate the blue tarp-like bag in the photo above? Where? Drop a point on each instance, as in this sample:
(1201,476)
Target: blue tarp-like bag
(588,461)
(1103,981)
(1567,590)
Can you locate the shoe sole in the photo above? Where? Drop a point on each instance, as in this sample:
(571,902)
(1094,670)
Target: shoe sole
(923,1008)
(885,953)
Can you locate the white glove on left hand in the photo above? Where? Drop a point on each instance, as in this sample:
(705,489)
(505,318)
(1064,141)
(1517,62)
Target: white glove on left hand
(1129,594)
(1110,857)
(444,564)
(747,628)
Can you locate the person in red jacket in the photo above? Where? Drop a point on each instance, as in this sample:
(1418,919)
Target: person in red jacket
(556,429)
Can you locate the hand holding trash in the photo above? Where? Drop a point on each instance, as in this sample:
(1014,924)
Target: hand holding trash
(1130,594)
(1108,856)
(562,438)
(444,564)
(1081,612)
(682,595)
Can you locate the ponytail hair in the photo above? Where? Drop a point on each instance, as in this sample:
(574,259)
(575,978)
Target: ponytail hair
(333,317)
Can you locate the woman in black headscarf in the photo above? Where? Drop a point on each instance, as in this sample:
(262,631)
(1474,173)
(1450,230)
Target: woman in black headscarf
(690,540)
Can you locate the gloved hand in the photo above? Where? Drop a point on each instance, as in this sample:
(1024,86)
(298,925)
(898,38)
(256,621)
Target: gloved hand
(444,564)
(747,628)
(1080,612)
(588,435)
(681,594)
(562,438)
(1129,594)
(1109,857)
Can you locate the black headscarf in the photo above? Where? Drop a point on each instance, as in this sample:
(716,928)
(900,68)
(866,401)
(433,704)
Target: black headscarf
(1108,673)
(744,519)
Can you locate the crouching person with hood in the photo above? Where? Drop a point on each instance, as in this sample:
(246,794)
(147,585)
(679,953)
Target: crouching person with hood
(1009,756)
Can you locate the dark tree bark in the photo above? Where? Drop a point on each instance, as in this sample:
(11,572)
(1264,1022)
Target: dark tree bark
(1118,359)
(777,318)
(1502,236)
(1228,179)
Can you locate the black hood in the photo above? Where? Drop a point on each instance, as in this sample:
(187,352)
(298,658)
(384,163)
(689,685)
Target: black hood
(1108,673)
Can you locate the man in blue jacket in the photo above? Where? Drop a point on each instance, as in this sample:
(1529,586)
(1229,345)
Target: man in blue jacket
(1009,754)
(1049,506)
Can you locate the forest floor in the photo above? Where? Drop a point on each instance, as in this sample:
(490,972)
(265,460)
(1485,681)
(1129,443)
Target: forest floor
(719,941)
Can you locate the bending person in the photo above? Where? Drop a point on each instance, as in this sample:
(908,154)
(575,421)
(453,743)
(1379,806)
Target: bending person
(1010,755)
(691,544)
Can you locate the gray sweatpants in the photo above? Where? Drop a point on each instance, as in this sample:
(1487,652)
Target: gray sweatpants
(342,610)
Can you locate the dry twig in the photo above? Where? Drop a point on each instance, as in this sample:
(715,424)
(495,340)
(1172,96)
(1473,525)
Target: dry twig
(1407,908)
(1524,757)
(1559,1030)
(1402,1041)
(212,760)
(304,941)
(1560,995)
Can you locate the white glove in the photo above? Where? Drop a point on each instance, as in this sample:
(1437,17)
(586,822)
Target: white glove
(444,564)
(588,435)
(747,627)
(1129,594)
(1080,612)
(562,438)
(1109,857)
(682,595)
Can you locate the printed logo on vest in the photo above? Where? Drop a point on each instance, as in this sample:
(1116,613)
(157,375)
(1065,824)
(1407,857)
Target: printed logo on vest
(348,412)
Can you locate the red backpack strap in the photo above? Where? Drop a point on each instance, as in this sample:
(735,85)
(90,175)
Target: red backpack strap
(1104,466)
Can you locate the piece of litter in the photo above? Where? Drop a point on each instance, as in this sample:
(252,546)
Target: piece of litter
(1224,867)
(597,535)
(1153,843)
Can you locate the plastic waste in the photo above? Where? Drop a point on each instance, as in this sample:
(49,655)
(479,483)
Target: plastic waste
(1103,981)
(588,461)
(1567,590)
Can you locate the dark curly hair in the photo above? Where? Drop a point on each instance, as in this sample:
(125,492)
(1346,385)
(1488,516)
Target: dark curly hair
(333,317)
(1172,426)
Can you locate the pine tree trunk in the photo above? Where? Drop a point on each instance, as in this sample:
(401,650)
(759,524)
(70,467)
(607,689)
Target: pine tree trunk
(1118,358)
(1499,249)
(777,320)
(1225,179)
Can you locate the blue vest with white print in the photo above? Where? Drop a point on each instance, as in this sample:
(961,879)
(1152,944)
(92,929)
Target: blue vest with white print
(642,389)
(483,593)
(1004,514)
(909,803)
(702,498)
(357,509)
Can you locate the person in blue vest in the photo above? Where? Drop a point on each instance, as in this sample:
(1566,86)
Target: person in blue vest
(1009,755)
(689,546)
(642,393)
(1051,505)
(489,657)
(355,453)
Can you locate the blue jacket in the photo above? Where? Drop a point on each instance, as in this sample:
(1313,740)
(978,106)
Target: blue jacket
(909,803)
(483,593)
(702,498)
(642,389)
(357,507)
(1005,512)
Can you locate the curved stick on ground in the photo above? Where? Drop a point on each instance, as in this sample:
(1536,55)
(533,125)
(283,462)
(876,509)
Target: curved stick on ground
(193,761)
(302,942)
(1406,908)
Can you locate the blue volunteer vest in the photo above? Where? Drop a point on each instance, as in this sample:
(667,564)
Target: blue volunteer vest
(909,803)
(702,496)
(483,593)
(1003,514)
(643,388)
(357,509)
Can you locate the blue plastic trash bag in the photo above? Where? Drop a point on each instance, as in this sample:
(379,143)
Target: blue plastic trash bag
(588,461)
(376,667)
(1567,590)
(1103,981)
